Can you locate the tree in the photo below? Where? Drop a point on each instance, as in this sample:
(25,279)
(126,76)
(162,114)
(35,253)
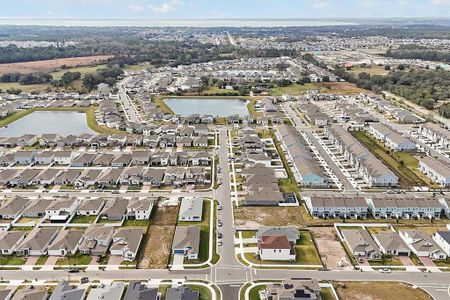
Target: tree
(427,103)
(387,67)
(326,79)
(401,67)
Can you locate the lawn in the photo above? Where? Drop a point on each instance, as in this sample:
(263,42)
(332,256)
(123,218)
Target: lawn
(41,260)
(253,294)
(379,291)
(327,294)
(11,260)
(204,292)
(407,177)
(211,91)
(133,223)
(83,70)
(83,219)
(159,101)
(293,89)
(443,263)
(386,261)
(369,69)
(76,260)
(136,68)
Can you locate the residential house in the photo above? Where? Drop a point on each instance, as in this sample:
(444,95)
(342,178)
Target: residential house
(295,289)
(43,158)
(191,209)
(66,242)
(12,208)
(138,291)
(442,239)
(139,209)
(361,243)
(37,241)
(153,177)
(61,210)
(422,244)
(63,157)
(182,293)
(24,157)
(64,291)
(36,208)
(96,239)
(91,207)
(107,292)
(186,241)
(390,243)
(115,210)
(126,242)
(438,171)
(10,240)
(336,206)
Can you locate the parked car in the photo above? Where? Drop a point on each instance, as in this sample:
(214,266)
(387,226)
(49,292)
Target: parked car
(219,223)
(219,207)
(219,235)
(385,270)
(84,280)
(219,243)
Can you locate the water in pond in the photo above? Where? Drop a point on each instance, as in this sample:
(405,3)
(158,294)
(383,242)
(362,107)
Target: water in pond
(60,122)
(208,106)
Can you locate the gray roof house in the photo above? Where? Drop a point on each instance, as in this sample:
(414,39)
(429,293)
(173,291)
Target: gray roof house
(10,240)
(181,293)
(422,244)
(361,243)
(11,208)
(115,210)
(191,209)
(30,294)
(391,243)
(107,292)
(91,207)
(126,242)
(96,239)
(36,208)
(65,292)
(291,233)
(37,241)
(295,289)
(186,241)
(138,291)
(66,242)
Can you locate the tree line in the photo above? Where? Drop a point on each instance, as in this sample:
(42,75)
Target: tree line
(424,87)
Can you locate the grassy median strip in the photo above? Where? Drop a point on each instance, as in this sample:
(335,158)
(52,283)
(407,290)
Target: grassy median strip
(407,177)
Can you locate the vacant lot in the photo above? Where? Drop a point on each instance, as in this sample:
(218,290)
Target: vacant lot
(51,65)
(340,88)
(252,217)
(370,69)
(157,243)
(379,291)
(330,248)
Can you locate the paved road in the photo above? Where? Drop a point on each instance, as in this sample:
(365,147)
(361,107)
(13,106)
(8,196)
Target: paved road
(226,251)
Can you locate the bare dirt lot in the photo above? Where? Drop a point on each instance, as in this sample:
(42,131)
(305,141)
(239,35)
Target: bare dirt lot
(157,243)
(50,65)
(379,291)
(330,248)
(252,217)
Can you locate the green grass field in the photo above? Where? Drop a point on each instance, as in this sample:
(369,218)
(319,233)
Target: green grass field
(407,177)
(293,89)
(83,219)
(370,69)
(76,260)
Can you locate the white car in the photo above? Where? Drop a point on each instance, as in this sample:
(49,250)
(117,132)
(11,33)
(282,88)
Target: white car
(385,271)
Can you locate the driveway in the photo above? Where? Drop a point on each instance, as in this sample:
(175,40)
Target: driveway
(406,261)
(93,265)
(177,263)
(427,262)
(114,262)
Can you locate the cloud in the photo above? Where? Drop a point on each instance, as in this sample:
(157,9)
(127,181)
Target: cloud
(440,2)
(317,3)
(136,8)
(166,6)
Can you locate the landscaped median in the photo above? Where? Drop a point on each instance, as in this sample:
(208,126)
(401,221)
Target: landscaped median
(89,111)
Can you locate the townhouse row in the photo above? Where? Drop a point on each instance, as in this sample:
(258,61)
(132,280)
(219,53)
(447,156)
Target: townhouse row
(374,172)
(386,206)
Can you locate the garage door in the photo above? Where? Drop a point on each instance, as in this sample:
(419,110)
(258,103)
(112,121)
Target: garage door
(403,254)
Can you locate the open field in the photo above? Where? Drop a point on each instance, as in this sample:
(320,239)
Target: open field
(51,65)
(370,69)
(83,70)
(340,88)
(379,291)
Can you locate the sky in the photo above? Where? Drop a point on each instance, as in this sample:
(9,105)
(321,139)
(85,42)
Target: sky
(201,9)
